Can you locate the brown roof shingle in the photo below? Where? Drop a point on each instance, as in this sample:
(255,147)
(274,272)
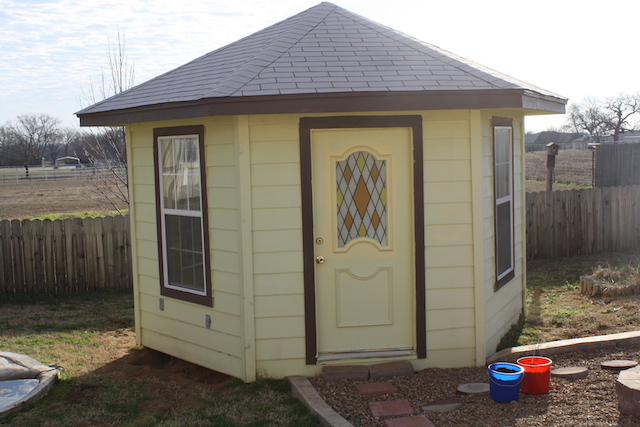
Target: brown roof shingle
(323,50)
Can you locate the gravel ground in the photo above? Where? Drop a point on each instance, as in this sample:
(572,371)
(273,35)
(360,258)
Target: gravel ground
(585,402)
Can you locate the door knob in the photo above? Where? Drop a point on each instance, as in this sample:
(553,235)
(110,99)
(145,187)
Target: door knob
(320,259)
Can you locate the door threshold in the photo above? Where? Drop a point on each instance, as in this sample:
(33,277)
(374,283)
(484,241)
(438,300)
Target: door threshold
(382,354)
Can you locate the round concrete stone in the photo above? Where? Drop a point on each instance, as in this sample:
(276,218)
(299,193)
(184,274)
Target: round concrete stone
(618,365)
(474,389)
(570,373)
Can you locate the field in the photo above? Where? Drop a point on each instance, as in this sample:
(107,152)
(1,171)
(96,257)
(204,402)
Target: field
(573,170)
(26,199)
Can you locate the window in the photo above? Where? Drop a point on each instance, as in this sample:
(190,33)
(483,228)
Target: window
(182,214)
(503,197)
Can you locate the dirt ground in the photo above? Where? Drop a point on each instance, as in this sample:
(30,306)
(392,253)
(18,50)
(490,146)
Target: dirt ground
(22,199)
(167,378)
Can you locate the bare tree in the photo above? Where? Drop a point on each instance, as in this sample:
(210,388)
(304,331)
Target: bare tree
(26,141)
(107,148)
(611,117)
(588,116)
(620,111)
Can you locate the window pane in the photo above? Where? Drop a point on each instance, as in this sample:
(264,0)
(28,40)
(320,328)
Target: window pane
(185,264)
(503,180)
(361,198)
(181,173)
(503,237)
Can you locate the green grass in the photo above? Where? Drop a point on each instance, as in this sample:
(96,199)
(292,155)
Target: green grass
(556,310)
(78,333)
(73,215)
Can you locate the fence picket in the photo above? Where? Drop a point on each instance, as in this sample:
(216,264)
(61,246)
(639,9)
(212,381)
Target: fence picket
(578,222)
(48,256)
(8,283)
(51,256)
(38,255)
(18,254)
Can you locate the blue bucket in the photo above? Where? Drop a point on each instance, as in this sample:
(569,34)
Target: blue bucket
(505,381)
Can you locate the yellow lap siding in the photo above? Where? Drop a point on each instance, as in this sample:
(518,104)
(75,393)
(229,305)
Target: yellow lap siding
(447,149)
(280,349)
(145,193)
(281,262)
(278,174)
(449,277)
(450,358)
(445,235)
(275,152)
(445,129)
(186,313)
(441,299)
(447,192)
(276,197)
(447,213)
(447,170)
(225,261)
(450,319)
(194,353)
(279,306)
(148,267)
(222,177)
(277,219)
(279,284)
(280,327)
(273,132)
(449,256)
(191,333)
(277,241)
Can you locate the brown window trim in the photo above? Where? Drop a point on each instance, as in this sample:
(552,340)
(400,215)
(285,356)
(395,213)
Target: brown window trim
(505,122)
(306,125)
(206,300)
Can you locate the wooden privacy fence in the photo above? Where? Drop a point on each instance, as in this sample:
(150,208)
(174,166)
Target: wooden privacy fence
(579,222)
(65,256)
(617,164)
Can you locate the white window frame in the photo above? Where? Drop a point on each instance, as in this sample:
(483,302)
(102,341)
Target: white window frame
(502,127)
(163,136)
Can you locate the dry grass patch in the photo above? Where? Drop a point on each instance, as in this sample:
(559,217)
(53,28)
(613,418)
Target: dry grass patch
(108,382)
(557,310)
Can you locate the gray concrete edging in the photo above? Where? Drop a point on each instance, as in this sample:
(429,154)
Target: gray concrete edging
(307,394)
(623,339)
(302,389)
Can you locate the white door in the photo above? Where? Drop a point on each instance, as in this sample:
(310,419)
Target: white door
(363,231)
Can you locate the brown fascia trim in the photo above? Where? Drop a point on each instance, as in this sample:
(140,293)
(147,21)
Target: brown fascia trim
(340,102)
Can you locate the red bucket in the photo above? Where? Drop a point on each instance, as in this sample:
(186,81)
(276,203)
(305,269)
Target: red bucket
(537,373)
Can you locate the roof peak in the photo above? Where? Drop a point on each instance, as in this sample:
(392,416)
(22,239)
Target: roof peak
(323,50)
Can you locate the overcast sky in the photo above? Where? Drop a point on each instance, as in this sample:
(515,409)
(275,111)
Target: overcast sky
(50,50)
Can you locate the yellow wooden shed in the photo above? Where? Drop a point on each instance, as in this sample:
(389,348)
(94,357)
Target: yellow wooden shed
(326,191)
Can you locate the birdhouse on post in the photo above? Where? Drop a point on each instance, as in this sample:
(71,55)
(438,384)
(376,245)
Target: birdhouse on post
(552,152)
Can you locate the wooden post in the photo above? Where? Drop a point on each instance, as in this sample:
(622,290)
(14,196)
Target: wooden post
(552,152)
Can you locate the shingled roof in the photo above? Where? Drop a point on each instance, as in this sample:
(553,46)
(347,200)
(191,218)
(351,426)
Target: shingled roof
(325,59)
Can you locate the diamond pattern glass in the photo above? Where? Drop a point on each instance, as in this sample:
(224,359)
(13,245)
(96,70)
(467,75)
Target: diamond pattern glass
(361,198)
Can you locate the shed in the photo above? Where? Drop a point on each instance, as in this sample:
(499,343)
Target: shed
(326,191)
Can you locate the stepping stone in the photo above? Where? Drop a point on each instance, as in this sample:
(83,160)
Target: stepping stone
(474,389)
(417,421)
(618,365)
(443,405)
(391,369)
(390,408)
(350,372)
(376,389)
(570,373)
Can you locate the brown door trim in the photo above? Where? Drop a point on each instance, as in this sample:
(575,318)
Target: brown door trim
(342,122)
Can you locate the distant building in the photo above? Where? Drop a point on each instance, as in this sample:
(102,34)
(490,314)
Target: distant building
(566,140)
